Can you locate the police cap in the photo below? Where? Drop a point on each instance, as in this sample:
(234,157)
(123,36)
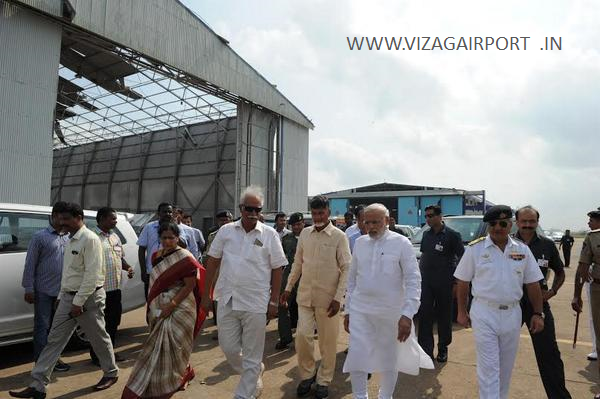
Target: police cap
(295,218)
(498,212)
(224,213)
(594,214)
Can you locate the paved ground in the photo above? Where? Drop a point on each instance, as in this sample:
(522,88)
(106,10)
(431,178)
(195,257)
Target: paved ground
(214,378)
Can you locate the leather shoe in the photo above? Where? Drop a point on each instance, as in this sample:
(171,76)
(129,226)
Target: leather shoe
(105,383)
(442,356)
(321,392)
(281,345)
(28,393)
(304,386)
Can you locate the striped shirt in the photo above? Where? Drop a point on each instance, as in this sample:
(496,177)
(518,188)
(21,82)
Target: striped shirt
(44,262)
(113,252)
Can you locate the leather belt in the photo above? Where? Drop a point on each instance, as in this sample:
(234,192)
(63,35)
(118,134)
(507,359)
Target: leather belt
(75,292)
(495,305)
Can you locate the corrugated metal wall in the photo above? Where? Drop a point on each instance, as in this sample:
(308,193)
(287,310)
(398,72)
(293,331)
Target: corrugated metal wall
(294,182)
(29,57)
(136,173)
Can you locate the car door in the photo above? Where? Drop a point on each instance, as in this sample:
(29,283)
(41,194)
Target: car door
(16,230)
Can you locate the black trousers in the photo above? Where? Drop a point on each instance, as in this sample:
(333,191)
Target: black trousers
(547,355)
(287,316)
(112,316)
(436,306)
(567,255)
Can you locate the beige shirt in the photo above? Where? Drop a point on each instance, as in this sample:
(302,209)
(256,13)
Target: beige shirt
(322,259)
(590,252)
(83,266)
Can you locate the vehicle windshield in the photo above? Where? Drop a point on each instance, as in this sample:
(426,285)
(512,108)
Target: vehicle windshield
(468,228)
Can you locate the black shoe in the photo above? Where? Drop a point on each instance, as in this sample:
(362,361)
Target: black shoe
(61,366)
(281,345)
(304,386)
(119,358)
(28,393)
(321,391)
(105,383)
(442,356)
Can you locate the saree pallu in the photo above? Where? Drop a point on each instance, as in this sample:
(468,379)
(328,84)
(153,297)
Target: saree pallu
(163,367)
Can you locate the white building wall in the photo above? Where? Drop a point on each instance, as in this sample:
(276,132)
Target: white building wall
(29,57)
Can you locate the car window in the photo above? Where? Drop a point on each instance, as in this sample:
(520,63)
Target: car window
(469,228)
(16,230)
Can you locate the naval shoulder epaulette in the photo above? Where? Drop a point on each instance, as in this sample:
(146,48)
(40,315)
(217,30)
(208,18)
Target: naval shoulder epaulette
(476,241)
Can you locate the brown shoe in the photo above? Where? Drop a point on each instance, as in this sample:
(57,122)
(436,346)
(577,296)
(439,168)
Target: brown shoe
(28,393)
(105,383)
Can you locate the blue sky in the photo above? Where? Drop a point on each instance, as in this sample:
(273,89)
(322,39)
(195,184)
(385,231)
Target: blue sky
(523,125)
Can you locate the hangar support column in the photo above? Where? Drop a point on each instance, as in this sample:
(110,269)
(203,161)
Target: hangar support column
(29,58)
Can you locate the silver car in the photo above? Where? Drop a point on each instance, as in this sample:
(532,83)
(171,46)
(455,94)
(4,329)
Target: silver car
(18,223)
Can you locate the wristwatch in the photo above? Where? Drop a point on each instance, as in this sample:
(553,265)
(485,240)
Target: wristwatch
(272,303)
(541,314)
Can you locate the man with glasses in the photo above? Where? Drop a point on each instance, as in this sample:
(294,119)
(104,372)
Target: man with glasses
(250,260)
(497,266)
(441,248)
(321,263)
(550,365)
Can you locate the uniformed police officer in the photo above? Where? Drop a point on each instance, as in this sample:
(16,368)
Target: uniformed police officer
(497,266)
(441,248)
(288,315)
(546,350)
(590,256)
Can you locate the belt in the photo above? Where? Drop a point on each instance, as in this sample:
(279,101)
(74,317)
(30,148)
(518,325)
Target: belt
(75,292)
(496,305)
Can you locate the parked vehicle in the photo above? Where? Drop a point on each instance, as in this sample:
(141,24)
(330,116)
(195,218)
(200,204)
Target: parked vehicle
(18,223)
(407,230)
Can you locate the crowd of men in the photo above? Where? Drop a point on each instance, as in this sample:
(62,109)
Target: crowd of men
(305,276)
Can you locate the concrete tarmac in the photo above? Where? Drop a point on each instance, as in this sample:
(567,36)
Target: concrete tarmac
(216,380)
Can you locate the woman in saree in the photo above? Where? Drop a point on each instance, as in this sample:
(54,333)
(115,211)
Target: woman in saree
(175,318)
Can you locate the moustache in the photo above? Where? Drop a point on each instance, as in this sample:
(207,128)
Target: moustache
(252,217)
(528,228)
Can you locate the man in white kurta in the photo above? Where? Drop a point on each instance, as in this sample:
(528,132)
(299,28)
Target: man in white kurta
(383,295)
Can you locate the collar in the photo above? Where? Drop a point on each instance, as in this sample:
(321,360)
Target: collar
(488,242)
(443,230)
(259,226)
(327,230)
(99,231)
(52,230)
(79,233)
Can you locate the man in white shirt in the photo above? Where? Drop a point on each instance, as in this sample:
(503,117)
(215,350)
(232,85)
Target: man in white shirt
(497,266)
(82,300)
(382,297)
(250,260)
(280,223)
(355,228)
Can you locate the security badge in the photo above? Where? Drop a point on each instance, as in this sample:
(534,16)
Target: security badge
(439,247)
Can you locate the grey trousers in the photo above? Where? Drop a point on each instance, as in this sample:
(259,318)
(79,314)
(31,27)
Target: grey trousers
(91,322)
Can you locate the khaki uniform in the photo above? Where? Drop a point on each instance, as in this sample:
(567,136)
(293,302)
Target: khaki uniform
(590,255)
(322,259)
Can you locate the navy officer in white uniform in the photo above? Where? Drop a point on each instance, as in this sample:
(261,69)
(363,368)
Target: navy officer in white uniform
(497,266)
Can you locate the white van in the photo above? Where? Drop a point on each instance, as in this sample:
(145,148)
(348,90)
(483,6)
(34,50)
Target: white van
(18,223)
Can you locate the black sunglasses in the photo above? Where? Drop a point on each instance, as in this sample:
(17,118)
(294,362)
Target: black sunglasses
(502,223)
(251,209)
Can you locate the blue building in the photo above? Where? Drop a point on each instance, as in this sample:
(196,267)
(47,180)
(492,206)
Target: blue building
(407,203)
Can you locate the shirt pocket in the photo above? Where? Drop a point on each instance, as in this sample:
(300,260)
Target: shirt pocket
(485,269)
(326,253)
(390,265)
(258,255)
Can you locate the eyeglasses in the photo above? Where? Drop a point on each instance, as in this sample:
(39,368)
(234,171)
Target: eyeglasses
(502,223)
(251,209)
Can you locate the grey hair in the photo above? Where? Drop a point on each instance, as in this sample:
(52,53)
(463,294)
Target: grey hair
(252,191)
(378,207)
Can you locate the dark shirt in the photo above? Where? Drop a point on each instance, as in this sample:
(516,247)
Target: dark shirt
(567,242)
(440,252)
(546,254)
(289,243)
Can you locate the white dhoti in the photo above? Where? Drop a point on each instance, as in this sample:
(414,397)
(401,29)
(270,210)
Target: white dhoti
(374,347)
